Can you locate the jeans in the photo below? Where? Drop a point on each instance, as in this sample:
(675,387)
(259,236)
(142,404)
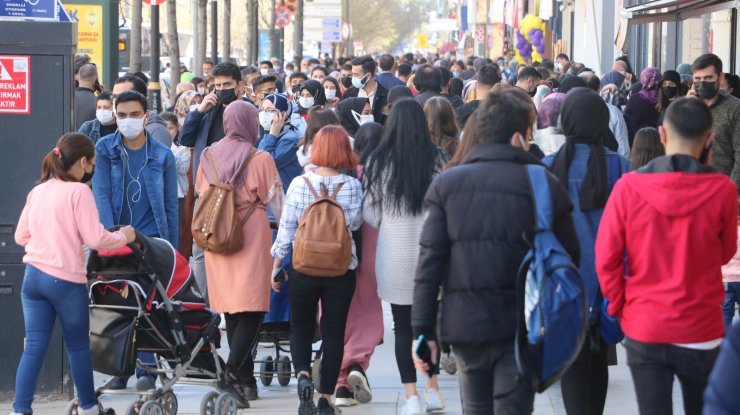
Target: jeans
(242,330)
(488,380)
(46,298)
(404,337)
(653,367)
(198,264)
(335,295)
(585,382)
(732,297)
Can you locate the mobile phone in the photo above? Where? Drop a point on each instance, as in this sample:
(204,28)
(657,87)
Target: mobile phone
(424,353)
(278,276)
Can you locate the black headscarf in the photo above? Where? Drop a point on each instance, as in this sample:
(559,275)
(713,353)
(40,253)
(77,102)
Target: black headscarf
(345,108)
(316,89)
(585,120)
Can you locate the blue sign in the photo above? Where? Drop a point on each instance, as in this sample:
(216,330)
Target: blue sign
(29,9)
(330,25)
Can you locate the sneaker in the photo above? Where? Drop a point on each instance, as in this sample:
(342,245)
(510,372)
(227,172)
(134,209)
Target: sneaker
(119,383)
(433,400)
(231,385)
(251,392)
(412,406)
(305,396)
(96,410)
(361,387)
(344,397)
(326,408)
(145,383)
(449,363)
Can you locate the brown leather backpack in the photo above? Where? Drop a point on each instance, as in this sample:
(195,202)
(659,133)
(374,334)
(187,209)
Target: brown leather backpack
(216,224)
(323,244)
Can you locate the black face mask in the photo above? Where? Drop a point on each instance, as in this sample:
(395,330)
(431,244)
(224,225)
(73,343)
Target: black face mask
(226,96)
(670,92)
(347,81)
(707,90)
(87,176)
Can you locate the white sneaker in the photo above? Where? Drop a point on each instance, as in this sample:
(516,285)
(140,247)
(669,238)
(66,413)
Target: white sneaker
(412,406)
(433,400)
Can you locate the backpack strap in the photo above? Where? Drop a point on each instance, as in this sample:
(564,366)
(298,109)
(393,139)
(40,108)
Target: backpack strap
(311,188)
(336,190)
(213,166)
(252,152)
(541,197)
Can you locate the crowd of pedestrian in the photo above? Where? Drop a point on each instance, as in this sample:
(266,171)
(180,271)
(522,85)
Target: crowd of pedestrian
(405,180)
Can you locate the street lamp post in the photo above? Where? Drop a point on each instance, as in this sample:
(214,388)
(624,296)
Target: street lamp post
(154,88)
(214,31)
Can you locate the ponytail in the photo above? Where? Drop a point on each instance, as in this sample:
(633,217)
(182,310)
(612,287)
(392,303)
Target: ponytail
(70,148)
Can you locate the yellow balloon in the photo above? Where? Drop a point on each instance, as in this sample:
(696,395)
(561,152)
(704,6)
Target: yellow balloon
(536,57)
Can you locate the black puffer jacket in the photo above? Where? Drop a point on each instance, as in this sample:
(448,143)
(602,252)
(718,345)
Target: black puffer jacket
(472,245)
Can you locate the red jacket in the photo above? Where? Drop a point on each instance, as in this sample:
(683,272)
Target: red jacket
(677,230)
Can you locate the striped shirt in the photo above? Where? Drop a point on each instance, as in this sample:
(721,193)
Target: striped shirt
(299,197)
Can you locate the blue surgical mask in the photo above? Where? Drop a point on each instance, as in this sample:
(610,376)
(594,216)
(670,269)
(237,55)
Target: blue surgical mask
(358,82)
(455,74)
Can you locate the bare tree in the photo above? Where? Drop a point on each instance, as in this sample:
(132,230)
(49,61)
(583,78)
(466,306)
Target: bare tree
(174,47)
(226,32)
(202,33)
(135,41)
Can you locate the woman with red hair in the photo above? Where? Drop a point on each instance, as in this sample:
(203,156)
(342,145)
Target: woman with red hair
(331,152)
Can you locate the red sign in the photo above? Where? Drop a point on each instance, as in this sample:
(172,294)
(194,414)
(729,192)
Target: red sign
(155,2)
(282,16)
(15,84)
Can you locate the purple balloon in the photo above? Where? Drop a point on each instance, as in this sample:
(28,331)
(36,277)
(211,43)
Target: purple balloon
(541,49)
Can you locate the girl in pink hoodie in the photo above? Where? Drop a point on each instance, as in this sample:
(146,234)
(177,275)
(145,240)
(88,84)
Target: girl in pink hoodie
(59,217)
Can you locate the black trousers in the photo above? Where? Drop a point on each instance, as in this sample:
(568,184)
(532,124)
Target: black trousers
(488,380)
(335,295)
(403,334)
(584,384)
(653,367)
(241,331)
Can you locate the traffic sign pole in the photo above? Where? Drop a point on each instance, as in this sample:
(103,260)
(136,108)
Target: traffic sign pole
(154,88)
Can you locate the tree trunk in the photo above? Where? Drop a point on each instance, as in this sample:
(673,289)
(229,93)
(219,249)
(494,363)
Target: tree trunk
(135,50)
(226,31)
(202,35)
(174,48)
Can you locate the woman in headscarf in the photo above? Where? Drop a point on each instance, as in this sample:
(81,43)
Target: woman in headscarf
(310,94)
(549,134)
(540,93)
(670,90)
(589,170)
(641,108)
(188,101)
(281,137)
(239,283)
(354,112)
(612,89)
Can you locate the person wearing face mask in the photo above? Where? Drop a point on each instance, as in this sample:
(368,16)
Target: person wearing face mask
(267,68)
(55,281)
(353,112)
(365,85)
(528,79)
(281,137)
(707,73)
(154,125)
(200,85)
(333,92)
(310,94)
(104,122)
(136,184)
(641,110)
(670,90)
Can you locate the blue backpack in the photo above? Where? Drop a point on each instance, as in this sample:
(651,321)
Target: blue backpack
(552,310)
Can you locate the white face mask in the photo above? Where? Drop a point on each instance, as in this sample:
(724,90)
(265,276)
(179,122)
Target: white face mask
(104,116)
(130,128)
(363,119)
(288,73)
(266,119)
(201,91)
(330,93)
(193,107)
(264,71)
(306,102)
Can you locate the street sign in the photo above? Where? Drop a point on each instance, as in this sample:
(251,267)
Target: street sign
(330,29)
(15,84)
(422,41)
(28,9)
(330,37)
(282,16)
(323,9)
(155,2)
(90,32)
(326,47)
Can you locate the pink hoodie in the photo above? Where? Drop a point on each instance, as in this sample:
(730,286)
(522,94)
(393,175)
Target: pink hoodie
(731,271)
(59,217)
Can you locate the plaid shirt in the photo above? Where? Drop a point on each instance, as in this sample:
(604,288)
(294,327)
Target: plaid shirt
(299,197)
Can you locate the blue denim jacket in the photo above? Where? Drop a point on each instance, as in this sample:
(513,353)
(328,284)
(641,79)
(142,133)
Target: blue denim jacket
(91,129)
(283,150)
(160,178)
(587,223)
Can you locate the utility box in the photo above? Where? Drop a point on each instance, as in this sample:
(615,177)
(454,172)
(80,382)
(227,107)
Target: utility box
(36,108)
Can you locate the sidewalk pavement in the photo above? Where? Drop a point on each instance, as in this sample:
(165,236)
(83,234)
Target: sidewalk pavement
(387,392)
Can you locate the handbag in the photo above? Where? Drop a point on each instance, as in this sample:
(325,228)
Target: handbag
(112,342)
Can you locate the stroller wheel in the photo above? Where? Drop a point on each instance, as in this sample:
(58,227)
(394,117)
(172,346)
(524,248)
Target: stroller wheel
(226,404)
(73,407)
(267,369)
(285,371)
(134,408)
(208,404)
(151,408)
(168,400)
(316,372)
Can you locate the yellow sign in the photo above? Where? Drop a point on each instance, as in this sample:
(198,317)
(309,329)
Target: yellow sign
(422,41)
(89,18)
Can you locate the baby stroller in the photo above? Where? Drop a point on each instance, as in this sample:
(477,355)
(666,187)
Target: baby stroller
(143,298)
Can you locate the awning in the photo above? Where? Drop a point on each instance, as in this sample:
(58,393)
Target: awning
(673,10)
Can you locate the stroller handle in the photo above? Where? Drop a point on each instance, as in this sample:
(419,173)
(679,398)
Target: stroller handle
(133,245)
